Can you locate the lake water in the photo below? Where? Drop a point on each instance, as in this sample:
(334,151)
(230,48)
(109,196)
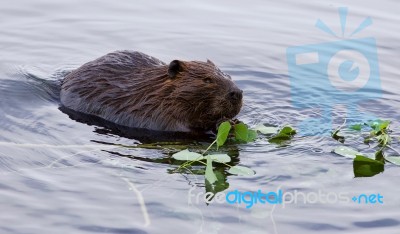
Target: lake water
(59,175)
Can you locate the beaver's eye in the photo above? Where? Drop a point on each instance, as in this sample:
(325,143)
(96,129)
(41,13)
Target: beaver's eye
(207,80)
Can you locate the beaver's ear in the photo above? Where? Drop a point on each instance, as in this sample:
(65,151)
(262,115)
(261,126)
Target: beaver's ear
(174,68)
(209,61)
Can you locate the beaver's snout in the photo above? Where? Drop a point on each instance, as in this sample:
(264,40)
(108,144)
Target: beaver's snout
(235,95)
(234,102)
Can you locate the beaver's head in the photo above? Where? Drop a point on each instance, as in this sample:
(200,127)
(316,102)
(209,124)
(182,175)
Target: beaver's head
(205,94)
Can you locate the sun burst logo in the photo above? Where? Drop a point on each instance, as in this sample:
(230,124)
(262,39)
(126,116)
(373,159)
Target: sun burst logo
(343,19)
(341,72)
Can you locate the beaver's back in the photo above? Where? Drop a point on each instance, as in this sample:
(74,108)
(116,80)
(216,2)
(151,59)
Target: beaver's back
(105,82)
(112,64)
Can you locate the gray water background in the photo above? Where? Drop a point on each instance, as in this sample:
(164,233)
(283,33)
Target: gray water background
(57,178)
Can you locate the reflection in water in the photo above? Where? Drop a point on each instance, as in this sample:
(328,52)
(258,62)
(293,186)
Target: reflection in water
(142,135)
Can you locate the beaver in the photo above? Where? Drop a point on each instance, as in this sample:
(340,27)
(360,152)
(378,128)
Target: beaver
(133,89)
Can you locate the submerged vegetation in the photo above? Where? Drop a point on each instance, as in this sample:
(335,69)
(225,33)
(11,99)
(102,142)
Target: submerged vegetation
(236,133)
(376,134)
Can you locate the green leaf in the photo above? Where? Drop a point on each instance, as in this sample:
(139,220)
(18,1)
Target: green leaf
(393,159)
(336,136)
(266,130)
(241,170)
(373,124)
(241,132)
(287,130)
(286,133)
(379,124)
(252,135)
(210,176)
(223,131)
(367,140)
(221,158)
(384,124)
(379,156)
(356,127)
(346,152)
(366,167)
(187,156)
(279,139)
(384,139)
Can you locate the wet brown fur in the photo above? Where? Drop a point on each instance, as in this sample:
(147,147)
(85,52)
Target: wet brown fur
(133,89)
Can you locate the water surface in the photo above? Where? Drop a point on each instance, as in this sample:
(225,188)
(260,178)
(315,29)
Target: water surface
(59,175)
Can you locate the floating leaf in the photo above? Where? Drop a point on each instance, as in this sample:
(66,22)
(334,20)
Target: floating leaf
(379,156)
(384,139)
(223,131)
(366,167)
(187,156)
(287,130)
(286,133)
(373,124)
(367,140)
(379,124)
(241,132)
(222,158)
(210,176)
(252,135)
(336,136)
(384,124)
(356,127)
(241,170)
(346,151)
(393,159)
(279,139)
(266,130)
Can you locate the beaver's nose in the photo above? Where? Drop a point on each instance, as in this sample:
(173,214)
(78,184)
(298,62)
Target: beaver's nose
(236,94)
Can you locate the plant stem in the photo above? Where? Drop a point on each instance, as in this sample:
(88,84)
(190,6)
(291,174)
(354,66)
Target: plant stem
(210,146)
